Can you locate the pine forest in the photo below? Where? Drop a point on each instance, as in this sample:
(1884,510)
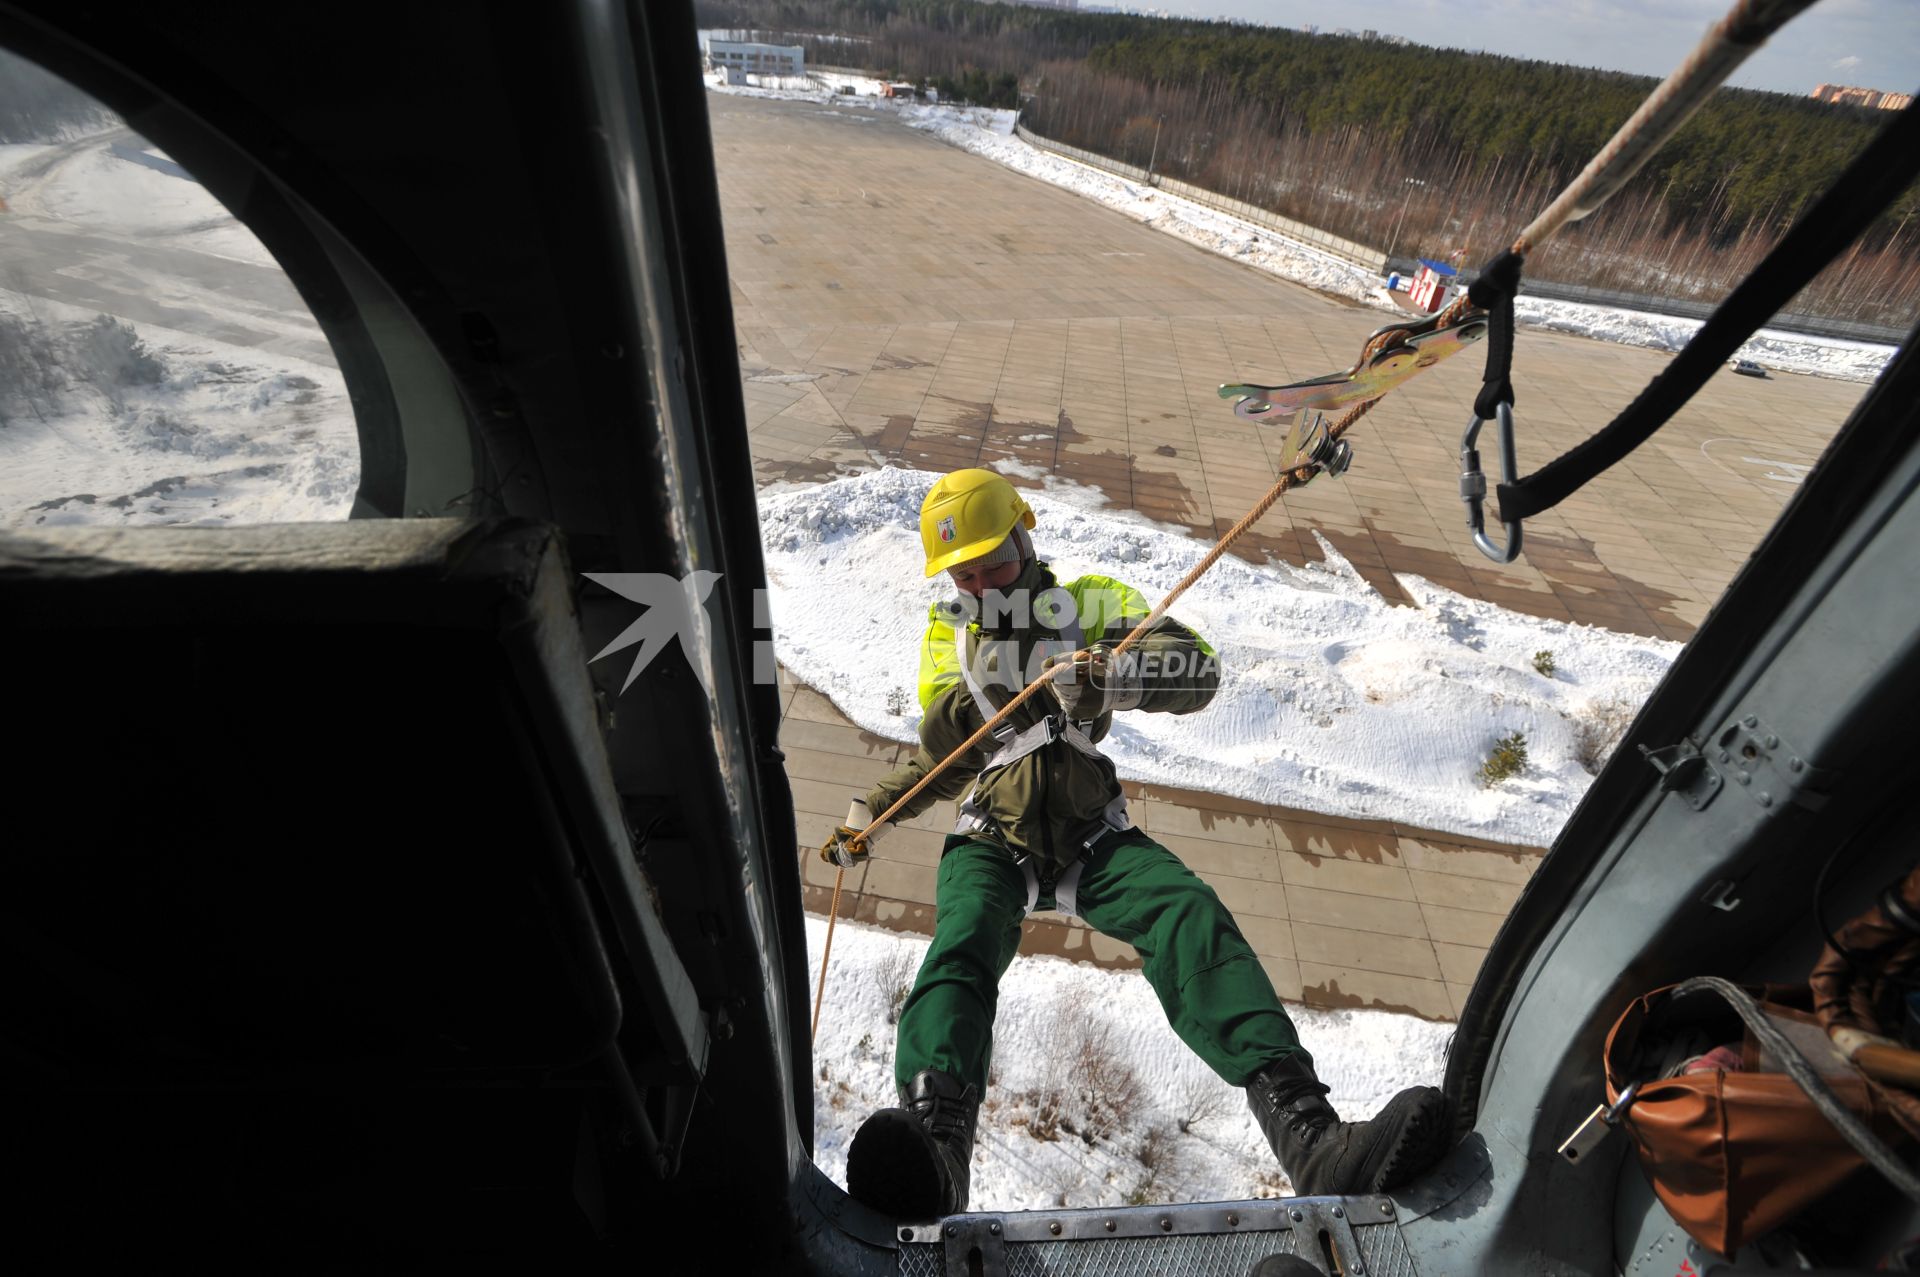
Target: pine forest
(1413,150)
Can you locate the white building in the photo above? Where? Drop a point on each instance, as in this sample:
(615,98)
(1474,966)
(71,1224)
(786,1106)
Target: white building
(753,59)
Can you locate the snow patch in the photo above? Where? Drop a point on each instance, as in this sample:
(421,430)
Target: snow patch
(85,185)
(1020,469)
(220,434)
(990,134)
(1334,700)
(1783,351)
(1048,1008)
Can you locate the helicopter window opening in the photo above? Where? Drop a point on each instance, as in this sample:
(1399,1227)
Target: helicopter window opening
(903,306)
(157,366)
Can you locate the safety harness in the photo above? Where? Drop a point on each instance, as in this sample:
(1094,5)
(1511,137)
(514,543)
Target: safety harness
(1060,887)
(1399,351)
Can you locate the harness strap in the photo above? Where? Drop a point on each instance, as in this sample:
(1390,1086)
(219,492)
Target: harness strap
(1071,637)
(1065,890)
(1493,292)
(1016,744)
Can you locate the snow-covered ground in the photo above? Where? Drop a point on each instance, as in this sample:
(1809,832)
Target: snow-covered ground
(83,185)
(1040,1143)
(1770,347)
(1334,700)
(990,134)
(192,388)
(211,434)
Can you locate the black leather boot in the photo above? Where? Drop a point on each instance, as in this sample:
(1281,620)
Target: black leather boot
(1326,1157)
(913,1162)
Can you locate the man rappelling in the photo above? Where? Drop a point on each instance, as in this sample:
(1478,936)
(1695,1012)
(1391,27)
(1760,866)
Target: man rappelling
(1043,825)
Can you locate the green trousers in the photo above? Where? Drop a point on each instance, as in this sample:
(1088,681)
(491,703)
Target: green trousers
(1216,995)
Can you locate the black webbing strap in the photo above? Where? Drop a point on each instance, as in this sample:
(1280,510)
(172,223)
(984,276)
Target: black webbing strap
(1493,292)
(1878,174)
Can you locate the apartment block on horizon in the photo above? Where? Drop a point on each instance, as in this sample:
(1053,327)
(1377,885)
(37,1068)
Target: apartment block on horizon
(1848,95)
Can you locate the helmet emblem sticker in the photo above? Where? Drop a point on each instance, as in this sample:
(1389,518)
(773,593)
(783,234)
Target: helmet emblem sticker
(946,529)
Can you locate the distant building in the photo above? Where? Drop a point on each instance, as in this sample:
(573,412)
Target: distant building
(1847,95)
(753,59)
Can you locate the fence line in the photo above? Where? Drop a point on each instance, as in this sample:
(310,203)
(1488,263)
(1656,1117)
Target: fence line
(1374,260)
(1367,259)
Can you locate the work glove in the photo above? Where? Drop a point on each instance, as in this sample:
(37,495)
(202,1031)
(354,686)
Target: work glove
(1092,682)
(844,847)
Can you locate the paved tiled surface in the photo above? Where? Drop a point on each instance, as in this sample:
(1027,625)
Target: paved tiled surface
(1342,913)
(900,301)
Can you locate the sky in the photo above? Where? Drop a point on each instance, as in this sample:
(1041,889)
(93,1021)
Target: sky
(1874,43)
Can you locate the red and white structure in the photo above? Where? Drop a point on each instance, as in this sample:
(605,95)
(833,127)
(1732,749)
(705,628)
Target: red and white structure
(1433,286)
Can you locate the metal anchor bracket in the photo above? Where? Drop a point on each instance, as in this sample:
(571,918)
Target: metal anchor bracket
(1415,347)
(1771,771)
(975,1244)
(1684,771)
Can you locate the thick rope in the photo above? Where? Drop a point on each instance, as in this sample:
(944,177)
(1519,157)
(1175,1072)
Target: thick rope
(1720,52)
(1290,479)
(1819,1091)
(1672,103)
(833,913)
(1725,46)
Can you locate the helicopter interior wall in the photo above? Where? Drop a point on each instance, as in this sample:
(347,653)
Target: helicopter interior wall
(1817,643)
(538,226)
(1865,1218)
(304,957)
(509,220)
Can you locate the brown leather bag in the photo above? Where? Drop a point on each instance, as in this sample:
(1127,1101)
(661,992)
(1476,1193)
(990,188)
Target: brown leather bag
(1732,1155)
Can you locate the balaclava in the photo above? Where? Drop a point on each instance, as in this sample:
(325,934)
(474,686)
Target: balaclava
(1016,547)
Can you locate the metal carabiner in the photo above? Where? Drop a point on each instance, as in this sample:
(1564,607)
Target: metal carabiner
(1473,485)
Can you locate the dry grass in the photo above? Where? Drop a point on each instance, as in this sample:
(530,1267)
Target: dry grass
(1156,1149)
(1096,1095)
(1598,727)
(1202,1101)
(895,974)
(1106,1090)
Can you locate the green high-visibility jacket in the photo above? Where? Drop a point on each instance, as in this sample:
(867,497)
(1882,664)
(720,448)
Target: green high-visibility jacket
(1047,803)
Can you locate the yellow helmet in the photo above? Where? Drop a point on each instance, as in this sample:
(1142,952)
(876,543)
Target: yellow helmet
(967,514)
